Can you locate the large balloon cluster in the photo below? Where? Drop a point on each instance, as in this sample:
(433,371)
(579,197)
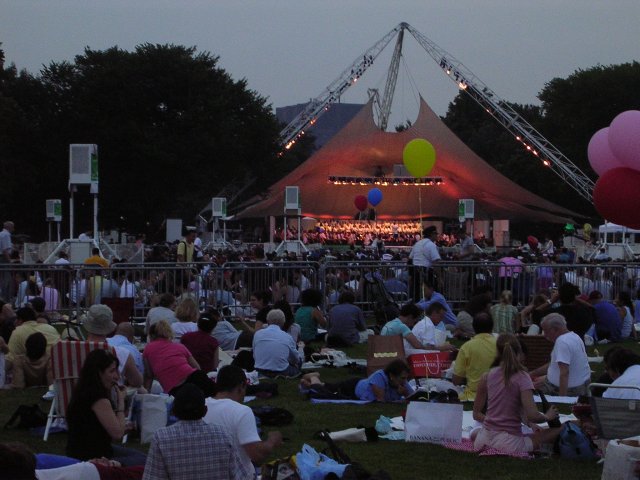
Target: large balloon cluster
(614,154)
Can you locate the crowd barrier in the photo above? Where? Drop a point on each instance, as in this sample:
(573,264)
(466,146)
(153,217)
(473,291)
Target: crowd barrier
(68,289)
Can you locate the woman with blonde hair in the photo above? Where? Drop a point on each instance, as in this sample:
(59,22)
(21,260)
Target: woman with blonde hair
(187,313)
(507,393)
(171,363)
(504,314)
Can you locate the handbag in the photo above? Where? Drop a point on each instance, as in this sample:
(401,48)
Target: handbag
(27,416)
(433,422)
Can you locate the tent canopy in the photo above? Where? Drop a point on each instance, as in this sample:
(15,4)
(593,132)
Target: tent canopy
(361,149)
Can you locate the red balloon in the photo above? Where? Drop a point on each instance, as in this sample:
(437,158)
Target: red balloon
(361,202)
(617,196)
(532,241)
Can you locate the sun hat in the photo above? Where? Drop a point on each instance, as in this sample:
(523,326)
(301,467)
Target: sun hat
(99,320)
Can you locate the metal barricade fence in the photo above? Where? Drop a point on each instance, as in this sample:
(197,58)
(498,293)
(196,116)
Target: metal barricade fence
(68,289)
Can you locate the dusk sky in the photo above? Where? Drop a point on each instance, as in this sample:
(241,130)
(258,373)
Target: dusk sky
(289,51)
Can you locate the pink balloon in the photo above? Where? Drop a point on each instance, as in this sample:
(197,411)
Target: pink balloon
(600,155)
(624,138)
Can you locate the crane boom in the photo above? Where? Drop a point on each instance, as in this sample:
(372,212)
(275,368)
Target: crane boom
(332,93)
(390,86)
(507,116)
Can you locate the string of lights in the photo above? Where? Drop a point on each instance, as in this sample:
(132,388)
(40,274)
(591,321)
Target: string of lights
(394,181)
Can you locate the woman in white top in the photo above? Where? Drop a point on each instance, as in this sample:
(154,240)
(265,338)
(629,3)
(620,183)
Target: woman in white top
(626,311)
(187,314)
(623,365)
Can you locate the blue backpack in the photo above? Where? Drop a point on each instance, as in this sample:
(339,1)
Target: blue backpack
(573,443)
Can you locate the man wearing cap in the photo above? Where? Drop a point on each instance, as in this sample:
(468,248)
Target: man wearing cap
(274,350)
(26,324)
(191,449)
(186,247)
(98,322)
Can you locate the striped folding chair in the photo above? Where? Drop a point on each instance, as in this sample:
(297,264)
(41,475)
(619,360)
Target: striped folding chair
(67,358)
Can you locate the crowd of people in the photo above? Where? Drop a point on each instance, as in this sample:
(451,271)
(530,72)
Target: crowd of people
(275,330)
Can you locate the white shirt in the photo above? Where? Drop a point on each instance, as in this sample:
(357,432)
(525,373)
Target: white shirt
(61,261)
(425,331)
(237,420)
(5,242)
(630,377)
(83,470)
(128,289)
(180,328)
(569,349)
(424,253)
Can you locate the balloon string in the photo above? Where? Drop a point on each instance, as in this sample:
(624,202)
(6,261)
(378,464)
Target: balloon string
(420,203)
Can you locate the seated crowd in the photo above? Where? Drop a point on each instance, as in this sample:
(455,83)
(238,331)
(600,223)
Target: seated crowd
(216,435)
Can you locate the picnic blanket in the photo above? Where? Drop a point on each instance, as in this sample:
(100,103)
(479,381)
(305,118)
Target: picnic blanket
(466,445)
(328,400)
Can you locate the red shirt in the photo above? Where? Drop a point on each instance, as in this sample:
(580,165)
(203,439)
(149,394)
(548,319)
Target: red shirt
(203,347)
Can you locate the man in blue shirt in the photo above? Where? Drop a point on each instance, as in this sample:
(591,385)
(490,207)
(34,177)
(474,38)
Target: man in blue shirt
(608,321)
(274,350)
(124,338)
(431,296)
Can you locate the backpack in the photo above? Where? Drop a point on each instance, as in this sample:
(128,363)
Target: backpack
(573,443)
(27,416)
(272,416)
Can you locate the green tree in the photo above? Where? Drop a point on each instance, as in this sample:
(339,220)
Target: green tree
(578,106)
(172,128)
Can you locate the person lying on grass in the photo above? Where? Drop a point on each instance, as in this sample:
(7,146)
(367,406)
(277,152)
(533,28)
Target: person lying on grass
(388,385)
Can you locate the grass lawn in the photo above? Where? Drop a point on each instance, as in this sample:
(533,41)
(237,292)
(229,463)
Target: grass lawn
(401,460)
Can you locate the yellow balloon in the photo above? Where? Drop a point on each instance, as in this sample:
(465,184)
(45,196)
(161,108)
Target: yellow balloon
(419,157)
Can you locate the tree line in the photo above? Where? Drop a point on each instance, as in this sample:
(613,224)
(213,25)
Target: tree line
(174,129)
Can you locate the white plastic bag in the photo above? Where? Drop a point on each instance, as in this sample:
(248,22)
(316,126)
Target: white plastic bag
(433,422)
(153,414)
(620,460)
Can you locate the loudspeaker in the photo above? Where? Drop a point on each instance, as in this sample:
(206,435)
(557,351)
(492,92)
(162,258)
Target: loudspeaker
(218,207)
(83,164)
(291,198)
(54,210)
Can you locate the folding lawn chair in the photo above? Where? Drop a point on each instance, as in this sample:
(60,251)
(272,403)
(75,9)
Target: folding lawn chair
(67,358)
(538,350)
(614,417)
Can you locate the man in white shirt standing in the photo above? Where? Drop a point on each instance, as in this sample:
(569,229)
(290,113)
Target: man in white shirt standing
(5,257)
(568,373)
(227,410)
(424,254)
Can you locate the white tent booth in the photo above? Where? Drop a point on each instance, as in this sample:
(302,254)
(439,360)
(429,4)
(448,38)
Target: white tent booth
(619,242)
